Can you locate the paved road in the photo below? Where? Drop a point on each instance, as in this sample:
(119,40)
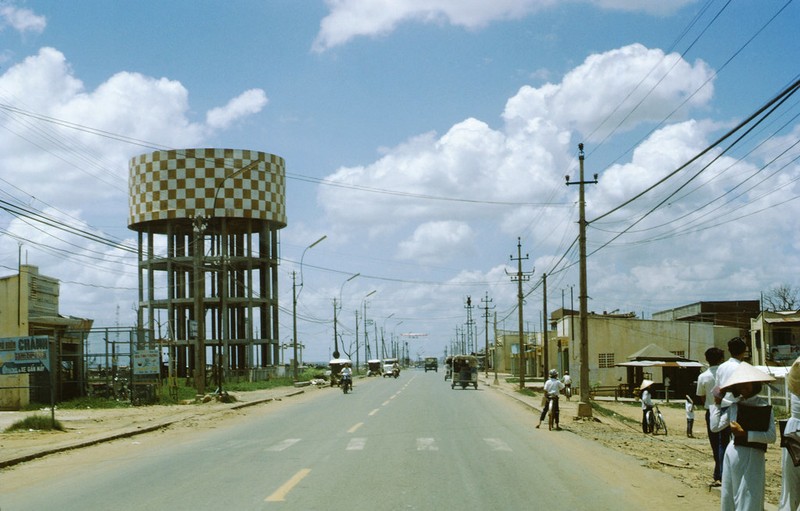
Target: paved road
(407,443)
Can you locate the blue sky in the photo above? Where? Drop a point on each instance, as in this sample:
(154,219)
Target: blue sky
(472,109)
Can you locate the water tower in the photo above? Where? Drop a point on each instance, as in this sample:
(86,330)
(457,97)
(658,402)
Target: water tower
(207,223)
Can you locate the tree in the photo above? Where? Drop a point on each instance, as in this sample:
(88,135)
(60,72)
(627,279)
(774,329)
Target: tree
(783,297)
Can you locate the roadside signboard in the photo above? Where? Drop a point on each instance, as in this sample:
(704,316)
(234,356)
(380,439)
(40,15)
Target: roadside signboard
(24,354)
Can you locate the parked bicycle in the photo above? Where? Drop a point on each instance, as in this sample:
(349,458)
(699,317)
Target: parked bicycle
(656,421)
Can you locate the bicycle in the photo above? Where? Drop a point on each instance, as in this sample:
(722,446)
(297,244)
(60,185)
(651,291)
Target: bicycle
(656,421)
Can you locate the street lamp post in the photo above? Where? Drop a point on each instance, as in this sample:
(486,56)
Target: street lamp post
(366,332)
(335,320)
(295,294)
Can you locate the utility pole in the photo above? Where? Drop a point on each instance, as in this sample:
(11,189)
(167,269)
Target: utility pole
(519,278)
(496,345)
(470,348)
(356,340)
(335,338)
(199,306)
(486,309)
(545,325)
(584,407)
(294,326)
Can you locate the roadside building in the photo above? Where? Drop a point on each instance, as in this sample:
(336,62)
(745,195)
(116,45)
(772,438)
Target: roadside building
(686,331)
(680,336)
(40,349)
(775,338)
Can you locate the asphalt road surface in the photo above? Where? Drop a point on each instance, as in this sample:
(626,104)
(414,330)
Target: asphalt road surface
(392,444)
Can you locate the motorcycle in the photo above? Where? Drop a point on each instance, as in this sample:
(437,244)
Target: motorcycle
(347,383)
(395,372)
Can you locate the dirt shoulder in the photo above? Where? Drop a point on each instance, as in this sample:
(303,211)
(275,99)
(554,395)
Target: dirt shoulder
(617,425)
(88,427)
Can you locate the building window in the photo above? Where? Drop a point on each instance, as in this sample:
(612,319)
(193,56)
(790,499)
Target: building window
(606,360)
(679,353)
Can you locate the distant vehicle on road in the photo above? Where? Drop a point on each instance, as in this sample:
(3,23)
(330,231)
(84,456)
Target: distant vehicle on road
(465,371)
(374,367)
(432,364)
(391,367)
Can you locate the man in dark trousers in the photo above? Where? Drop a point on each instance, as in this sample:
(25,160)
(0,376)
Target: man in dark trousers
(705,396)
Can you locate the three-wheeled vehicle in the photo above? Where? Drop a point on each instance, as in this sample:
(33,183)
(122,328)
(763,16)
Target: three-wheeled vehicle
(336,365)
(465,371)
(373,367)
(391,368)
(448,368)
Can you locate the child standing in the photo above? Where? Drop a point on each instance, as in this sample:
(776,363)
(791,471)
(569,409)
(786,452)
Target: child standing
(689,416)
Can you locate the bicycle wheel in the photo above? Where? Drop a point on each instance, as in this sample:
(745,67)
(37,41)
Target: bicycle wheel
(660,424)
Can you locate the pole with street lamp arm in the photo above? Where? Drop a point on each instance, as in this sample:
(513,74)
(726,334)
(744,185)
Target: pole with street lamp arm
(295,294)
(335,320)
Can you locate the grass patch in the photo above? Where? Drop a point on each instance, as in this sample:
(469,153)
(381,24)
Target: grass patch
(36,423)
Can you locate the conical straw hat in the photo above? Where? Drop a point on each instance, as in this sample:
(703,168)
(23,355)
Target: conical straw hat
(793,378)
(645,384)
(745,373)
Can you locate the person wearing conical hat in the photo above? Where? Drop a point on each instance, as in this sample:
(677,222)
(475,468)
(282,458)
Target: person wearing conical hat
(790,474)
(737,348)
(752,426)
(647,404)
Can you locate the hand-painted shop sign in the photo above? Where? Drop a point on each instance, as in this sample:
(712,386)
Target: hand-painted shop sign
(24,354)
(146,361)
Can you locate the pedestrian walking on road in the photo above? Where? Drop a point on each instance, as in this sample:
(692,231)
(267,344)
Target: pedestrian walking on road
(552,388)
(704,395)
(752,426)
(647,405)
(689,416)
(790,444)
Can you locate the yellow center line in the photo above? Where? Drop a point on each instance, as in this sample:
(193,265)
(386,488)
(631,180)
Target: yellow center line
(373,412)
(279,495)
(354,428)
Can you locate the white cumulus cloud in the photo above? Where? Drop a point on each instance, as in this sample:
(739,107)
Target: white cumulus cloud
(247,103)
(436,241)
(22,20)
(353,18)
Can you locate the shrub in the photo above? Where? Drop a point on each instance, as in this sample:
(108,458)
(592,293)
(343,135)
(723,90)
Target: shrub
(36,422)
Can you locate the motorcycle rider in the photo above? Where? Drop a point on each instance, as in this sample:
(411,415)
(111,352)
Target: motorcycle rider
(347,374)
(395,369)
(567,384)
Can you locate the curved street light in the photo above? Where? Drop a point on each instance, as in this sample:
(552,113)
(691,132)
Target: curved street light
(335,320)
(295,294)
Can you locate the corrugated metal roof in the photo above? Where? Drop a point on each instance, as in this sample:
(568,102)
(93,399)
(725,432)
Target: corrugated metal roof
(660,363)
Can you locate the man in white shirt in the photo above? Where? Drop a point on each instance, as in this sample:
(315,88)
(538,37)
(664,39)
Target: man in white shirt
(737,347)
(706,383)
(552,388)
